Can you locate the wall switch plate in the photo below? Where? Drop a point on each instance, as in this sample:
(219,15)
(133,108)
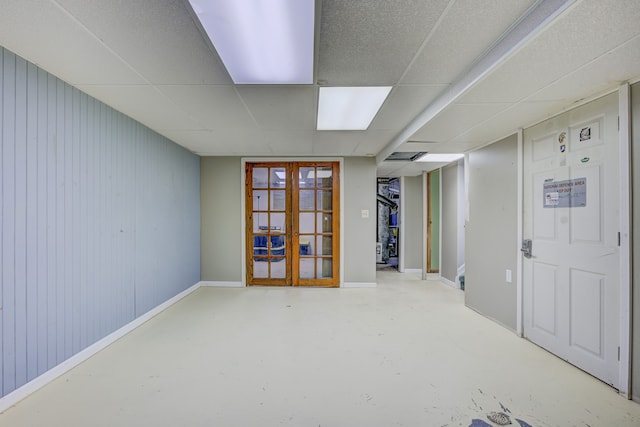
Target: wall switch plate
(508,276)
(364,213)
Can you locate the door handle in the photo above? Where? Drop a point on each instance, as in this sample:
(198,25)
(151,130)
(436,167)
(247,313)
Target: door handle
(526,248)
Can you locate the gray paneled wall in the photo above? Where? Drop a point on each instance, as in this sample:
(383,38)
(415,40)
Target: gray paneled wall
(100,220)
(449,222)
(492,232)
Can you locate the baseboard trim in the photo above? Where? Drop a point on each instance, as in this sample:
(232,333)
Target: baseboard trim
(40,381)
(413,270)
(359,285)
(222,284)
(449,283)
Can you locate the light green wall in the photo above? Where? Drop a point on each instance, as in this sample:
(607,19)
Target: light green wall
(491,231)
(413,214)
(435,219)
(221,219)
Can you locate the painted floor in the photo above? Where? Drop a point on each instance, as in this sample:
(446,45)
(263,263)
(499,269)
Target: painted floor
(407,353)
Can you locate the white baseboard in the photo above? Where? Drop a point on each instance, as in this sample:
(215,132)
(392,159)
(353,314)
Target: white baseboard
(359,285)
(35,384)
(449,282)
(413,270)
(222,284)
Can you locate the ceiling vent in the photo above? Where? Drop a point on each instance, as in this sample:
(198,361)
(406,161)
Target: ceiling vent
(407,156)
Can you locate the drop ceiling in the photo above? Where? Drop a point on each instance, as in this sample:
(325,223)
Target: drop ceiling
(464,72)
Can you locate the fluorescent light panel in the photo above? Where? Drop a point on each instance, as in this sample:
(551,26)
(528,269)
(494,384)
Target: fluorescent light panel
(261,41)
(440,157)
(349,108)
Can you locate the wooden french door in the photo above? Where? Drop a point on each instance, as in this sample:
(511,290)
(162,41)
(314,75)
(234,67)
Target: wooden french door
(292,219)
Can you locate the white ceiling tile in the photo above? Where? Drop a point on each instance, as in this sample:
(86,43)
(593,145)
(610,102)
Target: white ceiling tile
(158,38)
(281,107)
(507,123)
(373,141)
(44,34)
(243,141)
(145,104)
(347,143)
(290,143)
(467,31)
(335,143)
(604,73)
(455,119)
(403,104)
(213,106)
(591,29)
(202,142)
(372,42)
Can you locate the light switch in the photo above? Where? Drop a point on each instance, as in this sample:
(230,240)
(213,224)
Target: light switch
(508,276)
(364,213)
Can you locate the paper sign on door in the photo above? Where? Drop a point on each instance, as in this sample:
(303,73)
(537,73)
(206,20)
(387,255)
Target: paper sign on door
(571,193)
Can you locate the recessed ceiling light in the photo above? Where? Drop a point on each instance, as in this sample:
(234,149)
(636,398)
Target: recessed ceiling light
(349,108)
(259,41)
(440,157)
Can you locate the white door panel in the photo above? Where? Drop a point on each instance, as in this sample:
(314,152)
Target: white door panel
(570,284)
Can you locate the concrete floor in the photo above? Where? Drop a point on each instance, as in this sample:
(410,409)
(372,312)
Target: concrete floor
(408,353)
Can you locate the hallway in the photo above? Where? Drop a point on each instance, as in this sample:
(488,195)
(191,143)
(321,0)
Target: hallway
(405,353)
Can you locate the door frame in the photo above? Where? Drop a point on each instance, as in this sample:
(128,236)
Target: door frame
(243,223)
(624,141)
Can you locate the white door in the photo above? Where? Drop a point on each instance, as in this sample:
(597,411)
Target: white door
(571,208)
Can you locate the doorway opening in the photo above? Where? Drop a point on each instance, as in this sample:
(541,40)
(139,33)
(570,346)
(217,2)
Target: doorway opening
(388,227)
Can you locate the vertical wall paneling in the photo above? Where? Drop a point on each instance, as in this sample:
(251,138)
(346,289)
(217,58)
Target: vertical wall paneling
(32,174)
(8,223)
(42,275)
(20,243)
(52,252)
(100,221)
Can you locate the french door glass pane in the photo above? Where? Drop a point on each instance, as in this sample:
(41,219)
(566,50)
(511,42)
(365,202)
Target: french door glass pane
(261,268)
(306,200)
(324,245)
(278,178)
(306,177)
(324,177)
(307,245)
(260,200)
(325,267)
(276,222)
(277,200)
(306,268)
(324,200)
(260,221)
(325,223)
(278,268)
(305,220)
(260,177)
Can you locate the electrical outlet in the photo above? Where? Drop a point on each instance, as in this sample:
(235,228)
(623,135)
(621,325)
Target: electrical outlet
(364,213)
